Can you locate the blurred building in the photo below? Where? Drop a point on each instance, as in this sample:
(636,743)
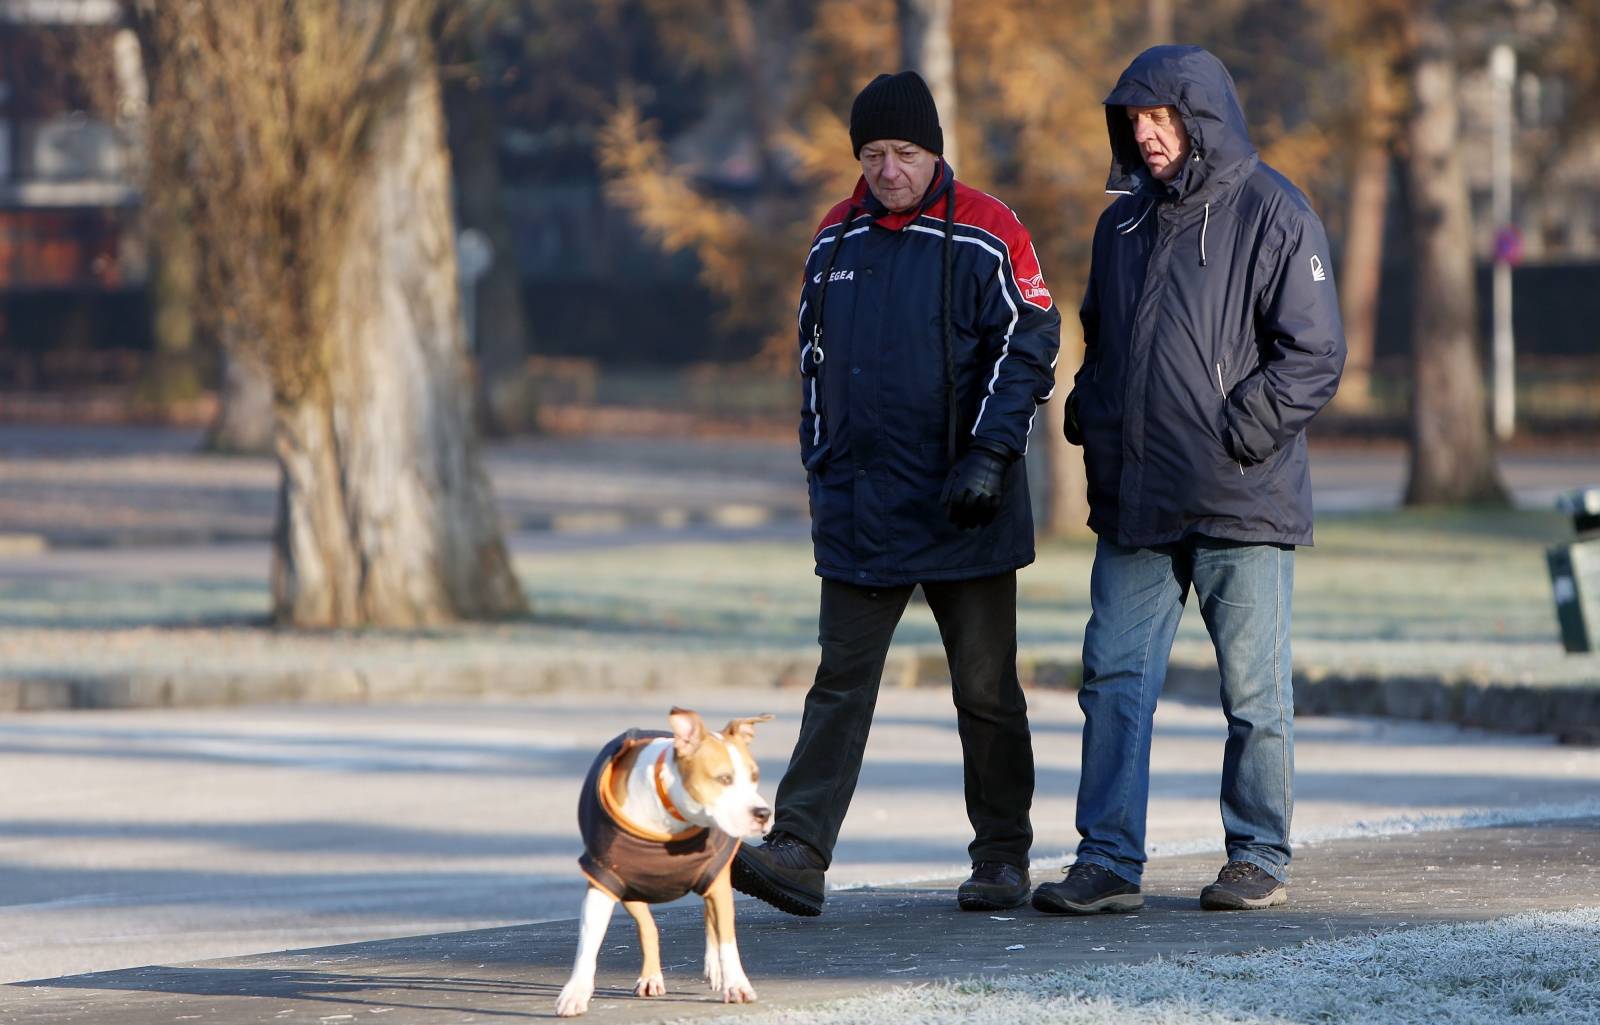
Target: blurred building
(72,261)
(1555,178)
(1555,173)
(73,265)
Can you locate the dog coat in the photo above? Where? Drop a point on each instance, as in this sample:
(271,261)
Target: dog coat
(632,863)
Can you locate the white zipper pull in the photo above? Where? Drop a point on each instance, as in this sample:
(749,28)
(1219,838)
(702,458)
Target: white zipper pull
(1224,393)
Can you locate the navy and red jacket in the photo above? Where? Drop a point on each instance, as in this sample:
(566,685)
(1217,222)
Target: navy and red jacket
(874,405)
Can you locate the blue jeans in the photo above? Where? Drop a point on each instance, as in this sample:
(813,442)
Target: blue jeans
(1136,597)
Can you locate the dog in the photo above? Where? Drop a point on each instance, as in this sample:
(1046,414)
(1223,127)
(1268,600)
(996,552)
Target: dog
(663,814)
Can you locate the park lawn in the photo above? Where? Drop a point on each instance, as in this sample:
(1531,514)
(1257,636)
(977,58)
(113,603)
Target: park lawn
(1540,969)
(1472,577)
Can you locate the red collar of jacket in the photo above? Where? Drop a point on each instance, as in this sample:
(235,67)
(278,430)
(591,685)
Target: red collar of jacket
(944,180)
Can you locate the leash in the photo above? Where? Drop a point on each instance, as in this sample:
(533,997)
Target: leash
(952,408)
(822,299)
(952,412)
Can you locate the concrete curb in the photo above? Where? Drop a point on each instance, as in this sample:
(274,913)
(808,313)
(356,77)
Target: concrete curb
(21,544)
(727,516)
(1570,712)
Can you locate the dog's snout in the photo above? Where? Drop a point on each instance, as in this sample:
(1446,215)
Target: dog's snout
(761,813)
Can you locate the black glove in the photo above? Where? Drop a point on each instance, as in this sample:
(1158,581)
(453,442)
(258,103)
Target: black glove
(1070,428)
(972,494)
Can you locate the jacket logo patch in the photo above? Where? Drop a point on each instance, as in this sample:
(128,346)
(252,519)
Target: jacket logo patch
(1033,288)
(1317,273)
(838,275)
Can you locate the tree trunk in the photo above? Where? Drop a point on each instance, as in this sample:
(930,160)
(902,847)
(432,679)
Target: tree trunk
(385,515)
(1068,503)
(1452,450)
(501,345)
(754,68)
(1158,22)
(244,421)
(1360,278)
(173,373)
(927,49)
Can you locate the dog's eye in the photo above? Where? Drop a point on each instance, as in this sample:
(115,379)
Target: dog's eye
(726,779)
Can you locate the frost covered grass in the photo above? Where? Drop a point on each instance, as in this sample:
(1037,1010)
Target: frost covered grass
(1529,970)
(1463,596)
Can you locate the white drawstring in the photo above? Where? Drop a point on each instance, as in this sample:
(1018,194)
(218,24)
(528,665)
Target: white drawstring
(1126,228)
(1145,212)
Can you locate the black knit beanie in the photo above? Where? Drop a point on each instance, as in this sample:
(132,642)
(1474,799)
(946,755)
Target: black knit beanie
(896,107)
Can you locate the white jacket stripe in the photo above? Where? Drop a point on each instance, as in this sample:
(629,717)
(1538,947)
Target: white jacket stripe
(1000,275)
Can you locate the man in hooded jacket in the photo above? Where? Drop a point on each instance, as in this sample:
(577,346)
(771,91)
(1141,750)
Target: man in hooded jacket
(1212,338)
(927,342)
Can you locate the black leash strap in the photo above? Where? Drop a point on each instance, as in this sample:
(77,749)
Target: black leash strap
(817,355)
(953,412)
(822,296)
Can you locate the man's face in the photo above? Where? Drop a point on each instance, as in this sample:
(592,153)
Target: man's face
(897,172)
(1162,139)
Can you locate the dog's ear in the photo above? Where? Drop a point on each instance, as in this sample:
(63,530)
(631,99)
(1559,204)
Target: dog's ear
(688,730)
(745,729)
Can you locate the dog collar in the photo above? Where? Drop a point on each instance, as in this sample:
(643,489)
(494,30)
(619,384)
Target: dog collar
(661,790)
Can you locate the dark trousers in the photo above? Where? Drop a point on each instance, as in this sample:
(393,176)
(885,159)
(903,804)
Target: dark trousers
(978,624)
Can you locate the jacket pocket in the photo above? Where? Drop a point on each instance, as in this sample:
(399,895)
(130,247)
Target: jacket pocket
(1222,432)
(831,492)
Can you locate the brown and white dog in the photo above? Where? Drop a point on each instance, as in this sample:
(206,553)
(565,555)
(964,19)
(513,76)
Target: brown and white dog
(662,814)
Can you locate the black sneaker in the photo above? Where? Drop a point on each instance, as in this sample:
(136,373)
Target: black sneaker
(785,871)
(1241,886)
(993,886)
(1088,890)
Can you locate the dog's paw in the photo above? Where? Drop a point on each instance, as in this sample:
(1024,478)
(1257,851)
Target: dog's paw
(713,973)
(649,986)
(738,991)
(574,999)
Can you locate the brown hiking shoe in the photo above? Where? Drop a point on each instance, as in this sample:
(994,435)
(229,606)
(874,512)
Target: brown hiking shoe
(1241,886)
(1088,890)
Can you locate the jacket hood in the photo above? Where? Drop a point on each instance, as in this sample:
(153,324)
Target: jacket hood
(1196,82)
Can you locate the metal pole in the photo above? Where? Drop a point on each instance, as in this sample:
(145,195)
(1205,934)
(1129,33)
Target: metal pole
(1502,75)
(474,257)
(1158,22)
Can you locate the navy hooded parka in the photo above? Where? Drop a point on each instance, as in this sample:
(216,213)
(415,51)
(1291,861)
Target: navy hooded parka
(1211,327)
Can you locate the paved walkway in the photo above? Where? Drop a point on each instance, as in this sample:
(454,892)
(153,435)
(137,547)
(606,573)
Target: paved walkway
(174,835)
(349,780)
(865,940)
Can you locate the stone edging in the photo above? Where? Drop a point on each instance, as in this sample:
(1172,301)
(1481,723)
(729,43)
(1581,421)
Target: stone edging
(1572,712)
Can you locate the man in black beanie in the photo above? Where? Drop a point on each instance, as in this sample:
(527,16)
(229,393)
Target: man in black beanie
(927,341)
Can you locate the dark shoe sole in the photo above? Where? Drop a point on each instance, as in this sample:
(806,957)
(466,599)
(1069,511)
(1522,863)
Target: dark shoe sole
(1218,899)
(1052,904)
(752,878)
(991,902)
